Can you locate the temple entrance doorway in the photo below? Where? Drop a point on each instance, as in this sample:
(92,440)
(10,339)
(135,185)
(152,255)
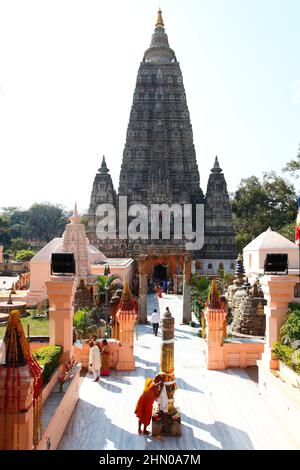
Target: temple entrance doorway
(160,272)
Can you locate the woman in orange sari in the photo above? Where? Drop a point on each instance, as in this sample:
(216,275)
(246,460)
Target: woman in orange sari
(144,406)
(105,358)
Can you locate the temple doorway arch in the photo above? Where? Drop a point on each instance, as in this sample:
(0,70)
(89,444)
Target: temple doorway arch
(160,272)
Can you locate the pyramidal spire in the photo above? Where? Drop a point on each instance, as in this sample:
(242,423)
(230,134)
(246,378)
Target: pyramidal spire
(159,50)
(75,219)
(216,168)
(103,170)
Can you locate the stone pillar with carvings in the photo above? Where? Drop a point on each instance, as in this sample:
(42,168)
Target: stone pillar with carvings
(61,290)
(143,288)
(187,306)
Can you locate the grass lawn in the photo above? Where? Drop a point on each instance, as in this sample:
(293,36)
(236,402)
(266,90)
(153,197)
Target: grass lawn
(38,326)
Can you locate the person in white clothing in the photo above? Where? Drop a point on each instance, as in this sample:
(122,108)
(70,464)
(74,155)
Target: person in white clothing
(155,319)
(95,360)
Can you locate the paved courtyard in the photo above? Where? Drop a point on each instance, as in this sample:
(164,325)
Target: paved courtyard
(220,409)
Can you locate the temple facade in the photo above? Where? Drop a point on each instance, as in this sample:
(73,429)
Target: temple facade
(159,167)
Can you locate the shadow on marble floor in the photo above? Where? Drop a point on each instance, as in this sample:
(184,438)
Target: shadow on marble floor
(90,429)
(184,385)
(250,374)
(229,437)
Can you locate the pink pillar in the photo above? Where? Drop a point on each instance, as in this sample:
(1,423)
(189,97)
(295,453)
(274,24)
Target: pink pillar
(278,291)
(61,290)
(215,319)
(126,337)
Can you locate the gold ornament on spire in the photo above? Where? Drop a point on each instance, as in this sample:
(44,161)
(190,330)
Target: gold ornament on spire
(159,21)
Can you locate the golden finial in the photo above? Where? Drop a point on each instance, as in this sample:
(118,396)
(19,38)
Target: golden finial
(159,21)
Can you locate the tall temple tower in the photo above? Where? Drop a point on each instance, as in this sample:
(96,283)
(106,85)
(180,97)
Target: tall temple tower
(159,155)
(159,166)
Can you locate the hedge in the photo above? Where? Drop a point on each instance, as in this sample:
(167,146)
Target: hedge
(48,357)
(287,355)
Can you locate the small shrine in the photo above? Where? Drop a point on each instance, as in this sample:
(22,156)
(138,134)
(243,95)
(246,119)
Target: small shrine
(246,304)
(21,381)
(249,317)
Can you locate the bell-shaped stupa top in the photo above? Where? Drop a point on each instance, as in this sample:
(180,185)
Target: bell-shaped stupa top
(216,168)
(240,270)
(103,170)
(159,50)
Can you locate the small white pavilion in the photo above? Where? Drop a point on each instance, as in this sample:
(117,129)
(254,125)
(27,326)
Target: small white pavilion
(255,253)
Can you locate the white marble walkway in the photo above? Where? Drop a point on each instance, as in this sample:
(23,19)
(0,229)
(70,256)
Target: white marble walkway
(220,409)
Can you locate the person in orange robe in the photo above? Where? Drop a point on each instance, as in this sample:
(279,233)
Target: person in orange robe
(105,358)
(159,291)
(144,406)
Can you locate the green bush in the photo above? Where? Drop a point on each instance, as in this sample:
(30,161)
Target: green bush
(287,355)
(24,255)
(290,330)
(48,356)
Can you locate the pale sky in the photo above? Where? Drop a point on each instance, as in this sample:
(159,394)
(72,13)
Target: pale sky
(67,75)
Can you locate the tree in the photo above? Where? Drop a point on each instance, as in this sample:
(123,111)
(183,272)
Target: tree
(18,244)
(4,231)
(288,231)
(107,283)
(200,289)
(258,204)
(45,221)
(293,165)
(17,221)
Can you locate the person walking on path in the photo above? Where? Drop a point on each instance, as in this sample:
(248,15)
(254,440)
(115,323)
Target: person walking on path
(95,360)
(155,319)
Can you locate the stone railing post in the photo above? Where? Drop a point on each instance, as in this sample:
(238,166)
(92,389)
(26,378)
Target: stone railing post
(187,306)
(143,288)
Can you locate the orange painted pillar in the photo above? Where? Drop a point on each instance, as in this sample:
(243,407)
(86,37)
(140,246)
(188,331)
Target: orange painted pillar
(215,319)
(61,291)
(126,336)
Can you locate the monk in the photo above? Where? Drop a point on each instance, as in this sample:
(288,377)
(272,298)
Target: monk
(105,358)
(159,291)
(144,405)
